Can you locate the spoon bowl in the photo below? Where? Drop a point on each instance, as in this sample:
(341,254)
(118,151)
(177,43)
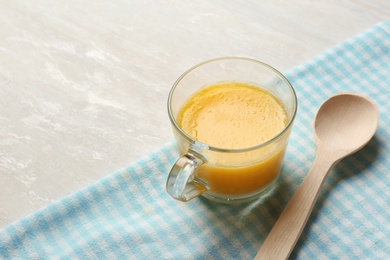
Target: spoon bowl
(346,121)
(343,124)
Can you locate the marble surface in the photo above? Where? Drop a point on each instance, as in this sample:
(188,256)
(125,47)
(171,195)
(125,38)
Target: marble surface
(83,84)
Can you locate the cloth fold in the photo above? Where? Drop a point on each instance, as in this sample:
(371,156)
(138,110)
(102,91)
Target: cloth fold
(128,215)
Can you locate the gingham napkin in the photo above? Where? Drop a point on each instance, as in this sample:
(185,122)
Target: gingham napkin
(128,215)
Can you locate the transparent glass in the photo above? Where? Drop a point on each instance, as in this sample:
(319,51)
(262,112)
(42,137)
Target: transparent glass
(227,175)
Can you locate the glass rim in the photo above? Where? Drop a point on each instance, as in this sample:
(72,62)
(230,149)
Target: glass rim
(231,150)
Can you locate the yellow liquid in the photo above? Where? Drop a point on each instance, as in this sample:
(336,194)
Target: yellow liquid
(235,115)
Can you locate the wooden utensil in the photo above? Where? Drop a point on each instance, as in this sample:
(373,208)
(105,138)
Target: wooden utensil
(343,124)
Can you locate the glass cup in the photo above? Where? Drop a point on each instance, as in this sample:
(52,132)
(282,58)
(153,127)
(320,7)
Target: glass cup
(227,175)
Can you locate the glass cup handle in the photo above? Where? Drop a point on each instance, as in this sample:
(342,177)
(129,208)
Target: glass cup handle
(182,184)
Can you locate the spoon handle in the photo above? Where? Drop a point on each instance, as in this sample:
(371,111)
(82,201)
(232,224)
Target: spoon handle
(286,231)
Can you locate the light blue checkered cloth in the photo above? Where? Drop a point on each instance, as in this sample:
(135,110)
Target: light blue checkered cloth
(128,215)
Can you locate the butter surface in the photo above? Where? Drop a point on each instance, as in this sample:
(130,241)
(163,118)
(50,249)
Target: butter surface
(232,115)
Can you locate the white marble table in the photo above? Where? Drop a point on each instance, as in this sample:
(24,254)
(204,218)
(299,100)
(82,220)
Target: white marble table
(83,84)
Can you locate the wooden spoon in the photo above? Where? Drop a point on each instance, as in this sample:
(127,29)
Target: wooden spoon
(343,125)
